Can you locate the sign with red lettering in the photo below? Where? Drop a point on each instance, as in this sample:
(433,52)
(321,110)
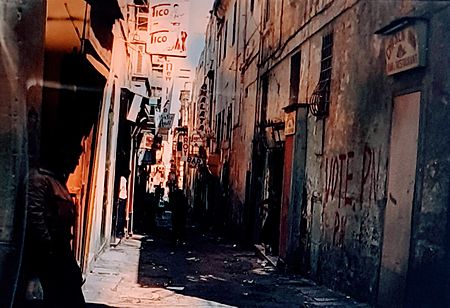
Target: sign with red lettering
(405,49)
(168,22)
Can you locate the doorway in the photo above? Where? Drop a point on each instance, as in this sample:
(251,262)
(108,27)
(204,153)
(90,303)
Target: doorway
(400,195)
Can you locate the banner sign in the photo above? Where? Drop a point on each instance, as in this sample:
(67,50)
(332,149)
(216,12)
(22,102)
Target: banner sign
(168,24)
(166,120)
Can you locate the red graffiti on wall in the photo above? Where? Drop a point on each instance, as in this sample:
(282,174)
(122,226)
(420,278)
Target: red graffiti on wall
(338,175)
(370,174)
(343,189)
(340,224)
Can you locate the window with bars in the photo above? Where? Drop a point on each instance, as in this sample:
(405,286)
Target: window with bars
(234,23)
(225,40)
(267,11)
(142,17)
(320,99)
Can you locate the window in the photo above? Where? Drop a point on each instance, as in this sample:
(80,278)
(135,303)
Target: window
(225,40)
(264,97)
(252,5)
(325,66)
(142,17)
(320,99)
(295,78)
(229,122)
(267,11)
(223,129)
(219,50)
(234,23)
(219,128)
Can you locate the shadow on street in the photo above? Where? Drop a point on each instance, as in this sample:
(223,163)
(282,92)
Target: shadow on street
(212,268)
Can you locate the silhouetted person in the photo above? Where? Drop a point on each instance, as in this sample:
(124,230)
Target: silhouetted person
(122,204)
(151,204)
(179,206)
(51,214)
(270,230)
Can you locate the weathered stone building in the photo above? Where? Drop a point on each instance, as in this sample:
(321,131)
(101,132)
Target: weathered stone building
(357,92)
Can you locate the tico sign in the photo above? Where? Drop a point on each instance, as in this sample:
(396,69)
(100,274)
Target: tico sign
(168,23)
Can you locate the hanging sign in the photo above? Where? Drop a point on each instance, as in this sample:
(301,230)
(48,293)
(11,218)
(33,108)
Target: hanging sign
(405,49)
(135,108)
(201,109)
(196,140)
(194,161)
(147,140)
(168,23)
(185,148)
(166,120)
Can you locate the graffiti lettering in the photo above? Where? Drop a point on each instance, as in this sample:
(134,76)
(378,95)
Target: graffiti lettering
(343,189)
(340,224)
(337,177)
(369,174)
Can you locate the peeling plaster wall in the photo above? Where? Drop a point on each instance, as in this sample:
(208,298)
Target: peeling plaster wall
(347,174)
(351,162)
(429,266)
(347,154)
(21,74)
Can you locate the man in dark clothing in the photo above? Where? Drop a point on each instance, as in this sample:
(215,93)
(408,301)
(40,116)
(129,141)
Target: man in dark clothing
(179,206)
(51,215)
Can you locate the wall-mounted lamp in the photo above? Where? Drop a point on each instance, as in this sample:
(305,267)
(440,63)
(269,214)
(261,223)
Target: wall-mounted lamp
(275,136)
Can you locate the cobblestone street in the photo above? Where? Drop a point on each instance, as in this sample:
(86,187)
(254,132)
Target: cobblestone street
(204,271)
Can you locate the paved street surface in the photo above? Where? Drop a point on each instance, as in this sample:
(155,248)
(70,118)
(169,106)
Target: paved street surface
(204,271)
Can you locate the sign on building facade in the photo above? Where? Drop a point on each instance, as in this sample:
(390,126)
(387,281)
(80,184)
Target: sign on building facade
(202,110)
(168,27)
(185,148)
(289,120)
(405,49)
(147,140)
(166,120)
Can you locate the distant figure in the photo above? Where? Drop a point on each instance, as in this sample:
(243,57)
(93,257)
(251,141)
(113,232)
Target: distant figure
(179,206)
(50,271)
(121,206)
(270,229)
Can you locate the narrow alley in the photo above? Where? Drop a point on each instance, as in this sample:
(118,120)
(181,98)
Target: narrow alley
(203,271)
(224,153)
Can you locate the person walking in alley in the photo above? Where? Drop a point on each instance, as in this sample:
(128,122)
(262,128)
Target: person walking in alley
(49,264)
(271,223)
(121,206)
(179,206)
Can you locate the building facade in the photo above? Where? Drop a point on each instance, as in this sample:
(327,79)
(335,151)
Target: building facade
(331,112)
